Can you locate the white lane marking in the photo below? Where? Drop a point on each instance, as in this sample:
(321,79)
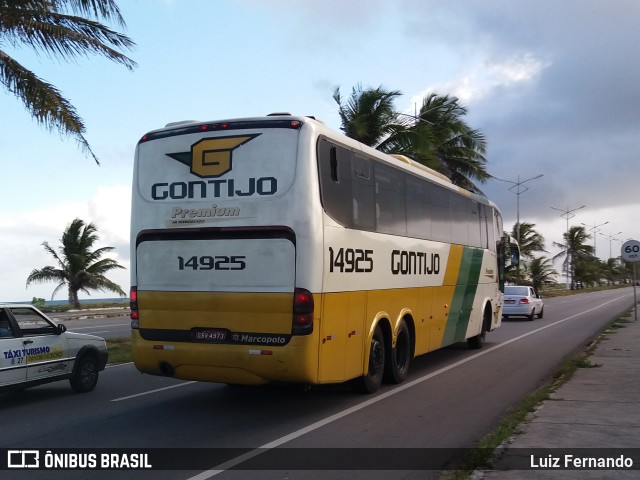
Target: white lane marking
(113,365)
(321,423)
(150,392)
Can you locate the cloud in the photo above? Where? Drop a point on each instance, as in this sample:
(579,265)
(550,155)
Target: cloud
(487,77)
(554,88)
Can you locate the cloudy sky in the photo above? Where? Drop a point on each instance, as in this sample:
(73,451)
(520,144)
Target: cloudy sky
(553,85)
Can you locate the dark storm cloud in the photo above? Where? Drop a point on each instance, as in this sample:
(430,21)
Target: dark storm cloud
(578,121)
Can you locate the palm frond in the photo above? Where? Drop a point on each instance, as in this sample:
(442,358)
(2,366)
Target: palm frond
(57,28)
(46,274)
(59,287)
(99,9)
(45,103)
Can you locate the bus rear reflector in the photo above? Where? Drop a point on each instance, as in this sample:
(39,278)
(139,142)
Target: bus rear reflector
(302,323)
(133,305)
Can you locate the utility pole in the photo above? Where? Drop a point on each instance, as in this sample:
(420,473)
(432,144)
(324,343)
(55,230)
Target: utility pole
(610,237)
(518,188)
(568,213)
(594,228)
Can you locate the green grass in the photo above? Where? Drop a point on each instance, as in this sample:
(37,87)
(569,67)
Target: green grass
(119,350)
(559,290)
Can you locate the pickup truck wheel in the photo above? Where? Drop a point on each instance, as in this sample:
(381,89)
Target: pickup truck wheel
(85,377)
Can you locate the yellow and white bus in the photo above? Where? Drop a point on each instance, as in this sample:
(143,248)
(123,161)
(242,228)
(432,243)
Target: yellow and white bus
(274,249)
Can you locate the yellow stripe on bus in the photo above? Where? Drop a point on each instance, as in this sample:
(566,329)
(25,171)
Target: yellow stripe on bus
(236,311)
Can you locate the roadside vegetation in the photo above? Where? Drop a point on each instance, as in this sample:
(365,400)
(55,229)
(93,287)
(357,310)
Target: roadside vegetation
(119,350)
(585,271)
(511,424)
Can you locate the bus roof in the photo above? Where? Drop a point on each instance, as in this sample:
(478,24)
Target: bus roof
(287,120)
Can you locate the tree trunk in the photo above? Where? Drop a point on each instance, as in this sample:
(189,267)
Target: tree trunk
(73,299)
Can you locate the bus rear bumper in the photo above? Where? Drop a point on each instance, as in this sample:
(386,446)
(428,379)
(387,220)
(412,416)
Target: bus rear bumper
(234,364)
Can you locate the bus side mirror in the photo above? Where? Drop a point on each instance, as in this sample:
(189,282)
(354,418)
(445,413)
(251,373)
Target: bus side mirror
(515,258)
(512,253)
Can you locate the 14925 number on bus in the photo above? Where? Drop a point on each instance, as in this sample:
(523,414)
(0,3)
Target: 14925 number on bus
(207,262)
(348,260)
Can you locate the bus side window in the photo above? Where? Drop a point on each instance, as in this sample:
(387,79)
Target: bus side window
(441,214)
(334,167)
(390,200)
(418,204)
(363,200)
(333,163)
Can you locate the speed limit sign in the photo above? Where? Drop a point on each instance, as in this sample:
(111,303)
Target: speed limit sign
(631,251)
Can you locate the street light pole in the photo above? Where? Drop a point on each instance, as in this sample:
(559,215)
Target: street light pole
(594,228)
(568,213)
(610,237)
(518,188)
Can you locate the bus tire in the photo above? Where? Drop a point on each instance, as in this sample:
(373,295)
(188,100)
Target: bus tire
(370,381)
(477,342)
(399,358)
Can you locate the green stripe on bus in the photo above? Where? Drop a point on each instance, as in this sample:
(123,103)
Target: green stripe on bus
(463,296)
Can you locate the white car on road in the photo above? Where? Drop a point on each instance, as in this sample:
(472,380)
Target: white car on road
(522,301)
(36,350)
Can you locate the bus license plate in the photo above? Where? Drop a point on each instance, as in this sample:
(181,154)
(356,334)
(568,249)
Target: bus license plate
(210,335)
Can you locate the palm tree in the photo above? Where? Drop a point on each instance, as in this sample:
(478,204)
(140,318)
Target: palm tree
(59,29)
(575,247)
(79,268)
(541,272)
(530,241)
(613,271)
(438,137)
(457,149)
(589,271)
(368,115)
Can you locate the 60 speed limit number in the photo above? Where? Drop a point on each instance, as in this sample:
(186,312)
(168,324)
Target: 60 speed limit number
(631,251)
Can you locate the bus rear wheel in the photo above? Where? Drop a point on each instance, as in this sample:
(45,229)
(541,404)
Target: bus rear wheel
(370,382)
(477,341)
(399,357)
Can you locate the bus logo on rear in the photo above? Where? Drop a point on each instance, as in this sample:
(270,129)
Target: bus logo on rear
(212,157)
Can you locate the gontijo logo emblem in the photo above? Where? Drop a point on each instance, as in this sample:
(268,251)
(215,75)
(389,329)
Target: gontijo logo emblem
(212,157)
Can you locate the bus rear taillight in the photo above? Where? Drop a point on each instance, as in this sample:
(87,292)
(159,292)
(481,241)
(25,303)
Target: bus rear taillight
(302,312)
(133,305)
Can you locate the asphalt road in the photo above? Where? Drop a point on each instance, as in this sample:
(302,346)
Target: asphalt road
(117,326)
(450,400)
